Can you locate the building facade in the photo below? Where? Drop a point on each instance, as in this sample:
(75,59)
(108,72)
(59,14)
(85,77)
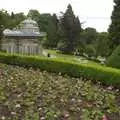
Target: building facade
(23,40)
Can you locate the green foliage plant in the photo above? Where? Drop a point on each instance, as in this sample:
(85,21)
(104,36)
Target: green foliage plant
(114,59)
(95,72)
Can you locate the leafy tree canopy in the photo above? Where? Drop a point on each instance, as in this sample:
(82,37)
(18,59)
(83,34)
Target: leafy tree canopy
(34,14)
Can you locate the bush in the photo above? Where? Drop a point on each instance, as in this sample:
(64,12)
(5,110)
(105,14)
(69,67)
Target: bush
(114,59)
(106,75)
(90,50)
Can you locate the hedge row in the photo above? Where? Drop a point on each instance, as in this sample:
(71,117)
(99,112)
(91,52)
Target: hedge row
(108,76)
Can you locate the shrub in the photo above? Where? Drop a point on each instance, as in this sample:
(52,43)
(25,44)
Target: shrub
(114,59)
(90,50)
(106,75)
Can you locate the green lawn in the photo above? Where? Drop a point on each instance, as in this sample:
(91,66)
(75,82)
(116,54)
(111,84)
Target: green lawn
(28,94)
(72,58)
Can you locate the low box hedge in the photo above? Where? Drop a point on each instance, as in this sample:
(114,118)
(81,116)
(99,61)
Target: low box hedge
(107,75)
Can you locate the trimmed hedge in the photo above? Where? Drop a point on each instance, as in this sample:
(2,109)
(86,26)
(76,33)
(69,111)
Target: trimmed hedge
(108,76)
(114,59)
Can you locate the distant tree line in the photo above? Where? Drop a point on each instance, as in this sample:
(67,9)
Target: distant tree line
(65,33)
(9,21)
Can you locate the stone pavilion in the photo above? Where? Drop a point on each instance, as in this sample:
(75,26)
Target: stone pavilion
(25,39)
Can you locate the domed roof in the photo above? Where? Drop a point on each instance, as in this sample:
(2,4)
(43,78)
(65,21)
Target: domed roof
(29,21)
(28,27)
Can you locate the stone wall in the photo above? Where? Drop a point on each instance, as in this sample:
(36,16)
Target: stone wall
(22,46)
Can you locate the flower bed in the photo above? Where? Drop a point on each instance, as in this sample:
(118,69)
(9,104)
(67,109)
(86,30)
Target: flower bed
(28,94)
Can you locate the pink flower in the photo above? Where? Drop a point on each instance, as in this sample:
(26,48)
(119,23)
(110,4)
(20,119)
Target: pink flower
(66,114)
(105,117)
(42,118)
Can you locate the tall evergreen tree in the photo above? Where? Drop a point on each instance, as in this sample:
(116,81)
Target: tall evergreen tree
(72,27)
(52,33)
(114,29)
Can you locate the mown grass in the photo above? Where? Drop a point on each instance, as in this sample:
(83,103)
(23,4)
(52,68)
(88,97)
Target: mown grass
(72,58)
(29,94)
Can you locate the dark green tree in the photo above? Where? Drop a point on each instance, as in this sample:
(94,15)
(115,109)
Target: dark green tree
(101,44)
(43,21)
(53,31)
(114,59)
(88,35)
(34,14)
(4,18)
(4,23)
(1,35)
(49,24)
(15,19)
(90,50)
(114,29)
(9,21)
(71,27)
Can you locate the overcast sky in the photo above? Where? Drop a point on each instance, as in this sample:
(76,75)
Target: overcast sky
(94,13)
